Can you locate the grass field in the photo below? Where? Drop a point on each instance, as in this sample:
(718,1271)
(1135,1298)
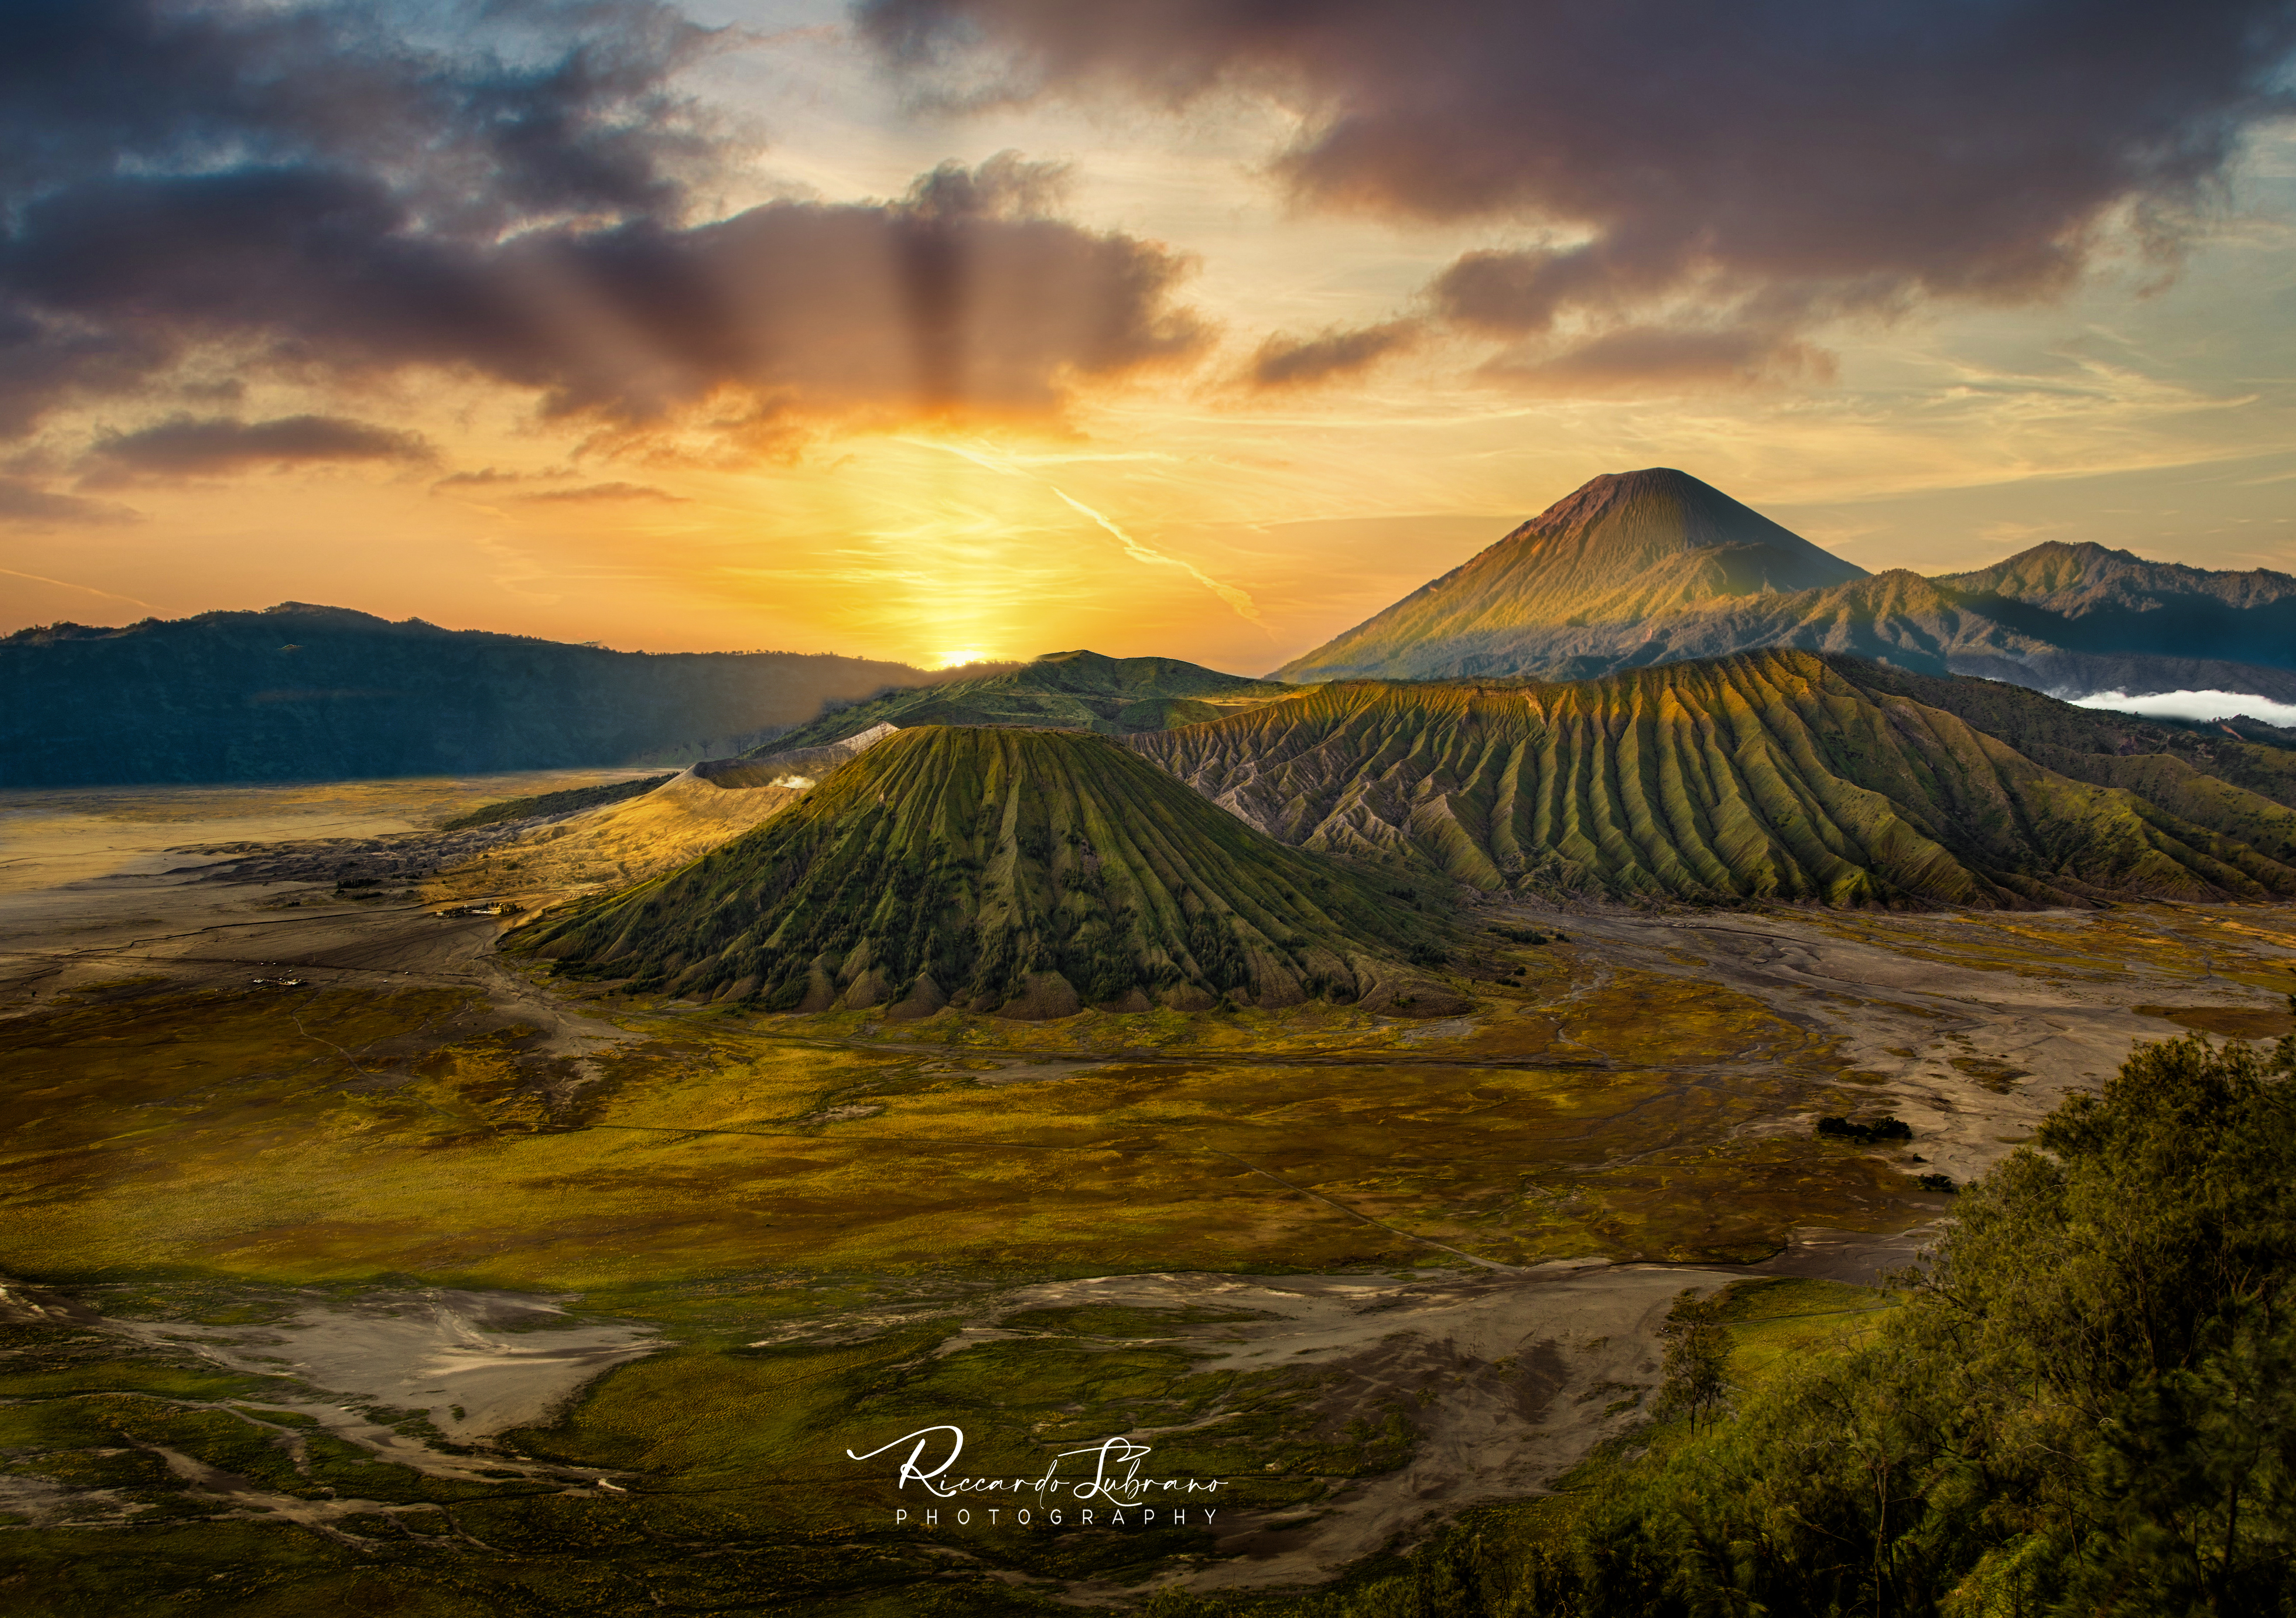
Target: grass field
(824,1222)
(276,1136)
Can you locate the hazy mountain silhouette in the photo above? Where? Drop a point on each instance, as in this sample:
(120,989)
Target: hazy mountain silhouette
(1059,691)
(313,693)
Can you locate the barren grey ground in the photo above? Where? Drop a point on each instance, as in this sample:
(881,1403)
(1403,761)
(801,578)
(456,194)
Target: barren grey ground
(479,1362)
(2025,1038)
(1515,1375)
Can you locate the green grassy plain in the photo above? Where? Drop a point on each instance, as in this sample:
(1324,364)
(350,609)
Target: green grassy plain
(275,1136)
(811,1210)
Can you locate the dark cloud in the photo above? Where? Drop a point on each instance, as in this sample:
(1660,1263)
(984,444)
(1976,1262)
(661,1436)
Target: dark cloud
(313,191)
(607,492)
(948,298)
(1517,292)
(1774,163)
(484,113)
(1642,357)
(189,446)
(1295,362)
(28,503)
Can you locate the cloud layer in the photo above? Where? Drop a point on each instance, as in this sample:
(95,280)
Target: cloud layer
(2193,705)
(29,504)
(195,447)
(604,494)
(1297,362)
(1698,185)
(501,189)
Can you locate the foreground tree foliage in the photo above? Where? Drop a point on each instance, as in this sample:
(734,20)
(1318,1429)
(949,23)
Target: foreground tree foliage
(2087,1406)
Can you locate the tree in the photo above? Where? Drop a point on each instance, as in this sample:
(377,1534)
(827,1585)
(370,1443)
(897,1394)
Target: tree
(1697,1356)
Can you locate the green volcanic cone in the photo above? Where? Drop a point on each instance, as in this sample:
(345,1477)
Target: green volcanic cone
(1025,871)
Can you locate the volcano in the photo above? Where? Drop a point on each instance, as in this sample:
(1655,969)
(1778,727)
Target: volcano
(1022,873)
(1642,568)
(1624,548)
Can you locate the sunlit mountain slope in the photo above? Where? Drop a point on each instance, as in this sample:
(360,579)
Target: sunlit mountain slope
(1767,775)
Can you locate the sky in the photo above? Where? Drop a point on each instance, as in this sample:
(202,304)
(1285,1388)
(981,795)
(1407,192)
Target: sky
(942,330)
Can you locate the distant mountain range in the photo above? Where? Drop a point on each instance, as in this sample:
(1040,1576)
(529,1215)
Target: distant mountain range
(1059,691)
(314,693)
(1642,568)
(1023,871)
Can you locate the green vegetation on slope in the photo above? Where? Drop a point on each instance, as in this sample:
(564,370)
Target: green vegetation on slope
(570,801)
(1029,872)
(2183,765)
(1768,774)
(2088,1405)
(1061,691)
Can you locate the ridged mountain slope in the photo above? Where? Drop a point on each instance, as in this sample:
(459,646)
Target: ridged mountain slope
(2234,779)
(1021,871)
(1623,548)
(1765,775)
(1061,690)
(1897,615)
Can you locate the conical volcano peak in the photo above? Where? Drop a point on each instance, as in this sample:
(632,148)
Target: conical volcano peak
(1661,509)
(1619,549)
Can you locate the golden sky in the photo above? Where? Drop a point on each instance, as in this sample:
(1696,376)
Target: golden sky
(1023,477)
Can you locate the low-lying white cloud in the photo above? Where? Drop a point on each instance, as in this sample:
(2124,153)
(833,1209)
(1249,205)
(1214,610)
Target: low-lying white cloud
(2193,705)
